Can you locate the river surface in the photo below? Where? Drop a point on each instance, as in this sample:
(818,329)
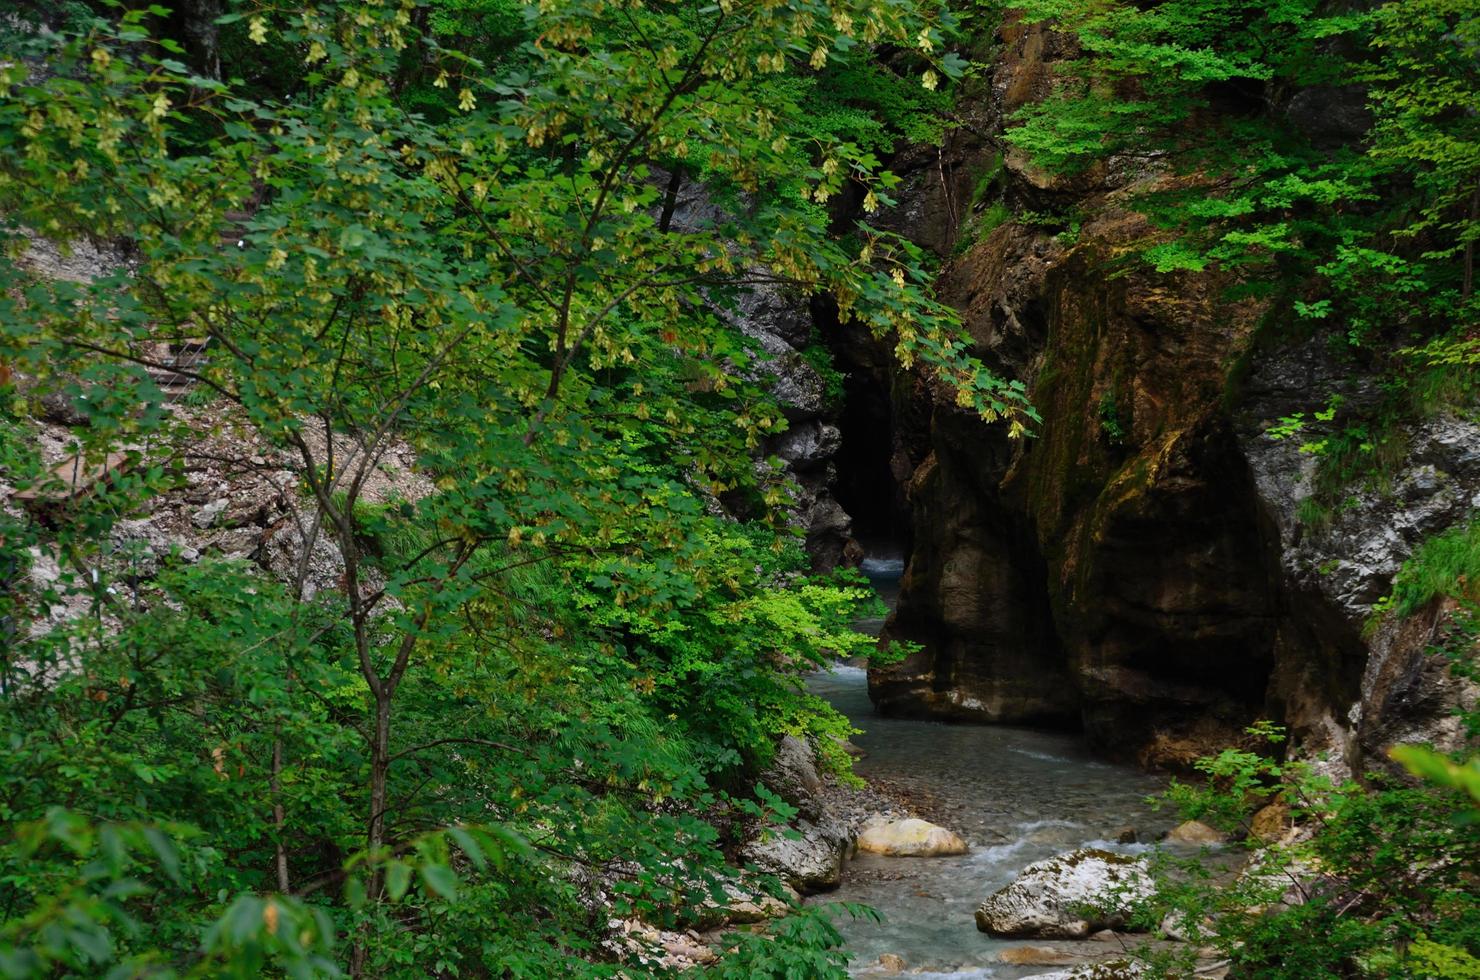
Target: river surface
(1016,795)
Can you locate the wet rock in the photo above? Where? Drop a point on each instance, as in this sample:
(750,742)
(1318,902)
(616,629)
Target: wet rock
(1195,832)
(986,652)
(1125,835)
(911,837)
(892,962)
(1038,956)
(1068,896)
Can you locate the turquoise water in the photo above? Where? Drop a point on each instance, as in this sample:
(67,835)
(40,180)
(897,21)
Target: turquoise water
(1016,795)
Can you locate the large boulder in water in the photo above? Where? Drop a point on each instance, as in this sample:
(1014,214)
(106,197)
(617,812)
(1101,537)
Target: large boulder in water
(1196,832)
(909,838)
(1068,896)
(1113,970)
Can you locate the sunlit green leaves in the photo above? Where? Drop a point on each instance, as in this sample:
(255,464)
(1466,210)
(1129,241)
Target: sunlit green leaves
(549,656)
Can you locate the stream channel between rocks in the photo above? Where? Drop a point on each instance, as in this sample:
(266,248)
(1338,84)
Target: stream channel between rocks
(1016,795)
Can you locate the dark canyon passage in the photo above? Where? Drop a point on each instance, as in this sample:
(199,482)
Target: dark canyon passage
(1144,564)
(1170,628)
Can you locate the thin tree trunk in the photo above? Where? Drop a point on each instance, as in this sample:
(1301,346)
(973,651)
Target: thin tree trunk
(375,836)
(670,199)
(1468,286)
(380,766)
(277,815)
(194,21)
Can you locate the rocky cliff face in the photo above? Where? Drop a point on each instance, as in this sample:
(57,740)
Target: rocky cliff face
(780,322)
(1140,566)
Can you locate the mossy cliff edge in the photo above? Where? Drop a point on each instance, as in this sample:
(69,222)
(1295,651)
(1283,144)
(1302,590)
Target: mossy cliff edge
(1147,564)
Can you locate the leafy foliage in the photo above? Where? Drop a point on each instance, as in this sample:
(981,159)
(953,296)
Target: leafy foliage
(537,686)
(1383,873)
(1447,564)
(1324,156)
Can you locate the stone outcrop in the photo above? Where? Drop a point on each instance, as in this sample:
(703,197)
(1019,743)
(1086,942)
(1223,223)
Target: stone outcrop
(808,854)
(1143,566)
(1116,970)
(808,857)
(1114,571)
(659,949)
(793,776)
(1068,896)
(744,905)
(779,325)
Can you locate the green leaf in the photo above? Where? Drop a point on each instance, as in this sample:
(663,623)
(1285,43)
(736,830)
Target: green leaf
(164,849)
(469,846)
(440,879)
(397,879)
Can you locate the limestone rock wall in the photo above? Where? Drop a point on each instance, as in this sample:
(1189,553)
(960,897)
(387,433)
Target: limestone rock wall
(1139,566)
(780,322)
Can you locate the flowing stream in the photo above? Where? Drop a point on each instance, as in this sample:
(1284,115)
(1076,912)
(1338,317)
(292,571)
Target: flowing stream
(1016,795)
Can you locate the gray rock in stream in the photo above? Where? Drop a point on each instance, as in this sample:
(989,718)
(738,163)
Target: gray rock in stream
(1116,970)
(1068,896)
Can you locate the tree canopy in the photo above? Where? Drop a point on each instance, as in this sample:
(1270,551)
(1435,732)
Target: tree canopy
(427,259)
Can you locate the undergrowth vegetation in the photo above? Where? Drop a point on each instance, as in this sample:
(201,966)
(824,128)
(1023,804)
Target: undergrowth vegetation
(498,666)
(1382,870)
(1446,565)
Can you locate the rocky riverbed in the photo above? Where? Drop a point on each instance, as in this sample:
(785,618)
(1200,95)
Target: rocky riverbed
(1016,796)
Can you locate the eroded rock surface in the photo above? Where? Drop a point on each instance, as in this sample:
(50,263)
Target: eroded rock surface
(779,324)
(1068,896)
(1149,566)
(1116,970)
(808,857)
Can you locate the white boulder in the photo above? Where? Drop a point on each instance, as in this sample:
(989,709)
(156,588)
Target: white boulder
(1068,896)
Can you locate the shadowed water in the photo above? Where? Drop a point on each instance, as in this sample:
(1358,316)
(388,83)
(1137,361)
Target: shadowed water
(1016,795)
(883,574)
